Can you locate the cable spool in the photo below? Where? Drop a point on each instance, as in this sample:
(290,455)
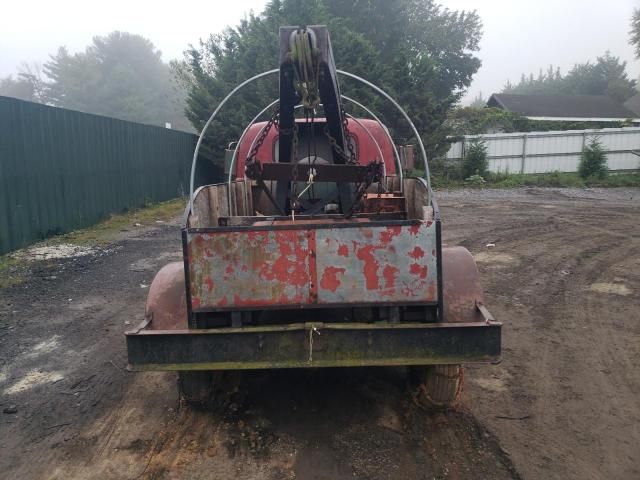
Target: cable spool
(306,66)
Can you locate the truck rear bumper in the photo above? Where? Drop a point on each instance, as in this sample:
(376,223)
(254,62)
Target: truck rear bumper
(303,345)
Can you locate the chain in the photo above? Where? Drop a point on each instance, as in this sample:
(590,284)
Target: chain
(273,120)
(351,160)
(345,126)
(294,171)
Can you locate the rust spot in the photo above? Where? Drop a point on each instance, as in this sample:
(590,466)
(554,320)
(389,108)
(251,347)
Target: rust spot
(387,235)
(209,282)
(370,269)
(414,229)
(343,251)
(416,253)
(198,240)
(329,280)
(417,269)
(432,291)
(389,273)
(290,267)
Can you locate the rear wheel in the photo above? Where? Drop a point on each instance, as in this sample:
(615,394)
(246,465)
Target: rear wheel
(436,386)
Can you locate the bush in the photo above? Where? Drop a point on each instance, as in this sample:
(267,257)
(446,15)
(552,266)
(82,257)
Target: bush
(593,162)
(475,159)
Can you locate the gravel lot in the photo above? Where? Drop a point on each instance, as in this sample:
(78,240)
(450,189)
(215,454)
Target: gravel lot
(563,276)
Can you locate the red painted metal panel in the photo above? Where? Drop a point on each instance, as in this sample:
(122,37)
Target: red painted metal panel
(377,264)
(358,264)
(249,269)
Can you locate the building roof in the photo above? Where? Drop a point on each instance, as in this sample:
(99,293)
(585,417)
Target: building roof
(562,107)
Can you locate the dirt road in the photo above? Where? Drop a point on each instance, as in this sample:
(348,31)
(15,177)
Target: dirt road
(563,276)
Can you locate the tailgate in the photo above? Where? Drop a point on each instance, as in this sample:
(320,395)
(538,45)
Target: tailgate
(285,266)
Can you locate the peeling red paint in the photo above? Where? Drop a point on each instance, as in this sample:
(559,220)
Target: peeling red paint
(258,237)
(387,235)
(199,240)
(343,251)
(229,269)
(389,273)
(209,282)
(416,253)
(414,229)
(370,269)
(195,302)
(223,302)
(329,280)
(417,269)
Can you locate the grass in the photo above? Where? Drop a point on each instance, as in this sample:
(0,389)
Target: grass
(553,179)
(15,269)
(109,230)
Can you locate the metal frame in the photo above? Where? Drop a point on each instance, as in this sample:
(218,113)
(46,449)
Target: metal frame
(276,70)
(344,97)
(316,344)
(427,174)
(194,162)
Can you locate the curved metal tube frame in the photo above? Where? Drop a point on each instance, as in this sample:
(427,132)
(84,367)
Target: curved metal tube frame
(384,167)
(406,117)
(274,71)
(206,126)
(386,130)
(235,151)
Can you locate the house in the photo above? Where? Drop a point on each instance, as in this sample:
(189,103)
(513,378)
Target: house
(571,108)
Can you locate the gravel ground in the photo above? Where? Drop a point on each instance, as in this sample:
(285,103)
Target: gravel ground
(563,276)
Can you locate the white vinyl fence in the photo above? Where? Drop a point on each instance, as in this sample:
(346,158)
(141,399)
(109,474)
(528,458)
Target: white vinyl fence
(540,152)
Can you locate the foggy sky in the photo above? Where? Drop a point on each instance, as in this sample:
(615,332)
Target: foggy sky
(519,35)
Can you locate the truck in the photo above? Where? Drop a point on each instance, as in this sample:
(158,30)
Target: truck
(319,250)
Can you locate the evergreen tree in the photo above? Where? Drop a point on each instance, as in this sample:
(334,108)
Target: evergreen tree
(421,53)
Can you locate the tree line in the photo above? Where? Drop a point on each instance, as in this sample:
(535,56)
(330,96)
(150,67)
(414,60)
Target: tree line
(423,54)
(120,75)
(606,76)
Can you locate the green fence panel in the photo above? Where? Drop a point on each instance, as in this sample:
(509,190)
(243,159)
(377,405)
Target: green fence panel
(61,170)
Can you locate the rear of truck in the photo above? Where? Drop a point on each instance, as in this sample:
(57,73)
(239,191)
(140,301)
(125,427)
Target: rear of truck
(316,252)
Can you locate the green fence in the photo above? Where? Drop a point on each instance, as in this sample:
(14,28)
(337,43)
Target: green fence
(61,169)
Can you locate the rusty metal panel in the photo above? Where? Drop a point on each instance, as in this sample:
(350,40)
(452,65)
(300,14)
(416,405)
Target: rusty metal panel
(250,269)
(368,264)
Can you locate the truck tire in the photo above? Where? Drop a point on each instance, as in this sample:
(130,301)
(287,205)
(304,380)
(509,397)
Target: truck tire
(436,386)
(439,386)
(196,388)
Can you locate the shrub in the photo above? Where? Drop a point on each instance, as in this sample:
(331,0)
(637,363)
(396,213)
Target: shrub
(475,159)
(593,162)
(475,180)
